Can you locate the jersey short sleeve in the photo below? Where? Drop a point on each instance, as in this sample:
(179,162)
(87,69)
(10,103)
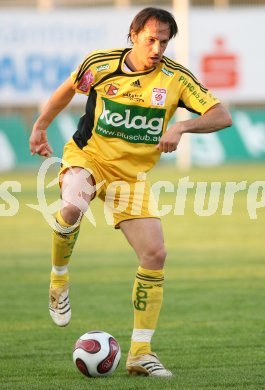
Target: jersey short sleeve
(194,96)
(83,77)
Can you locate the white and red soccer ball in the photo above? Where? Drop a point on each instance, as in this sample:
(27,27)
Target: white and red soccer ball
(96,354)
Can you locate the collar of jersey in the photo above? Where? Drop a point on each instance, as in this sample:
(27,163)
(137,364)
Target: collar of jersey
(132,73)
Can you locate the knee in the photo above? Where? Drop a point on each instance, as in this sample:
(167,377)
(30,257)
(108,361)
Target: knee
(154,257)
(71,214)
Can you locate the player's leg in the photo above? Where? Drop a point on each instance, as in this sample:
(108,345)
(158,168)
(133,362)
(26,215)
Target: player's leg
(146,237)
(77,188)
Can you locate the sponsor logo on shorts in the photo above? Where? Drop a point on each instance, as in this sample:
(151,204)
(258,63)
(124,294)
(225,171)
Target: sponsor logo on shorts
(130,123)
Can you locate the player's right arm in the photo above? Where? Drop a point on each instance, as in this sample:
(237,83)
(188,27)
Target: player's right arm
(58,101)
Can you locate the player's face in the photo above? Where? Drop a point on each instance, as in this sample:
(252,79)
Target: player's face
(149,44)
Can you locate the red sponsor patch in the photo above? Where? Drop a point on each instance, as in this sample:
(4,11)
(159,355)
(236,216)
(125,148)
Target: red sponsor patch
(86,81)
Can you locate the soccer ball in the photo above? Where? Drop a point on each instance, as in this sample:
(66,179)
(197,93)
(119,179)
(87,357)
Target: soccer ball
(96,353)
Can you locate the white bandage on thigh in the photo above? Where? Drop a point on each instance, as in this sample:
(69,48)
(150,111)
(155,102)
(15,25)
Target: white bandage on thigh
(142,335)
(76,189)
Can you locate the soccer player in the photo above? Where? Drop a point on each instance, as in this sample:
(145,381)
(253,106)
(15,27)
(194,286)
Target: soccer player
(132,94)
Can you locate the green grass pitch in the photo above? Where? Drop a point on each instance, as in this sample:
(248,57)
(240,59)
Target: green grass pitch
(211,331)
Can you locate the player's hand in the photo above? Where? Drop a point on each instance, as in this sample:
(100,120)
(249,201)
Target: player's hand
(169,140)
(38,143)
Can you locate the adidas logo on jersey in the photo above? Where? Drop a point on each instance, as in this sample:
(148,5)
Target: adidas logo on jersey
(136,84)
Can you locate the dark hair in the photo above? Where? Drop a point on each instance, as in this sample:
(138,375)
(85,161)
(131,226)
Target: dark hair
(159,14)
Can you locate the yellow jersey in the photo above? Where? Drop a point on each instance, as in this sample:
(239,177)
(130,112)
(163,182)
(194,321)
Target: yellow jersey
(127,112)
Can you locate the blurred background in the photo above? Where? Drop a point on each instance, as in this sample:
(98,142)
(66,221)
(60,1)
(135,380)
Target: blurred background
(220,41)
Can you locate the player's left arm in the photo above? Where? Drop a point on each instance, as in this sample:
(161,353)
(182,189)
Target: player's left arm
(216,118)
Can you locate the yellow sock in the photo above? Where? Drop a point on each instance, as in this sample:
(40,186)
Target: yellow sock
(147,299)
(63,241)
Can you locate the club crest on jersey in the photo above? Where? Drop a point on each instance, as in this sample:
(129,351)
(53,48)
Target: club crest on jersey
(111,89)
(158,97)
(86,81)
